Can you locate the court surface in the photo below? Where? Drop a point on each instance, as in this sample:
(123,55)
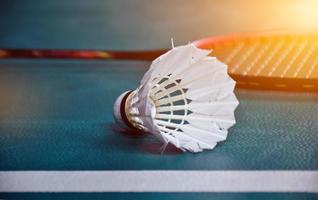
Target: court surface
(57,116)
(56,123)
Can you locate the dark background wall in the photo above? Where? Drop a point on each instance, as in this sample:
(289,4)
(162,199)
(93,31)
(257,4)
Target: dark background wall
(143,24)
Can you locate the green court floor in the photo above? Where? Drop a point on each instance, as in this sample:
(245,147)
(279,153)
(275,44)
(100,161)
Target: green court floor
(57,115)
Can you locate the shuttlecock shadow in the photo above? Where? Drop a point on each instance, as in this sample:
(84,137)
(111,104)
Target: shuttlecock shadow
(129,133)
(156,147)
(148,143)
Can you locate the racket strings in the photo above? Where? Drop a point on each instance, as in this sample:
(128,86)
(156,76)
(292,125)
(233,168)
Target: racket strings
(277,56)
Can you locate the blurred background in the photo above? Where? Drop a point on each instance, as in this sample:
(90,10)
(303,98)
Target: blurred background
(143,24)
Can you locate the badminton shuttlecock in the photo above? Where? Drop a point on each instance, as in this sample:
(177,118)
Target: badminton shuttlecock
(186,98)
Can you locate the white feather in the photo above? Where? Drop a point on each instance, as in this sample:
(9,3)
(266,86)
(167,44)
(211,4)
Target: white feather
(186,98)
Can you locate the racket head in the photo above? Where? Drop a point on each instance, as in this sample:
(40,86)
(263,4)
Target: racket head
(275,61)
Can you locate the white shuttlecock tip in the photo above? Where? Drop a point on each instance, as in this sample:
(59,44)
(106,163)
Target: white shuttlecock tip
(119,111)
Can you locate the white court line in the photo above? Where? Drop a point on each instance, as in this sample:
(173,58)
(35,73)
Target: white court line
(159,181)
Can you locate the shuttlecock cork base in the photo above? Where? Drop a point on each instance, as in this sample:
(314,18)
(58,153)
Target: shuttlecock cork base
(186,98)
(122,114)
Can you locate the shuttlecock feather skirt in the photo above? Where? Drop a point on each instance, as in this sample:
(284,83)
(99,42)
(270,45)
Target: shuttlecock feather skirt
(186,98)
